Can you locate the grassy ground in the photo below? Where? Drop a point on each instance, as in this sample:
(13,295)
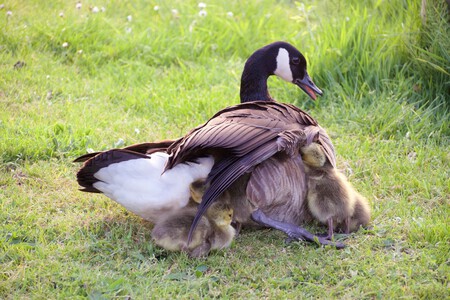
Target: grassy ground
(100,80)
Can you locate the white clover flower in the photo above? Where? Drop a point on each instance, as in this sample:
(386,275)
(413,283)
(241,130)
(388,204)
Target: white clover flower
(120,142)
(103,9)
(128,30)
(202,5)
(65,44)
(48,76)
(95,9)
(156,8)
(230,14)
(61,14)
(347,19)
(191,27)
(412,156)
(137,130)
(2,6)
(9,13)
(78,5)
(202,13)
(49,95)
(174,12)
(80,51)
(129,18)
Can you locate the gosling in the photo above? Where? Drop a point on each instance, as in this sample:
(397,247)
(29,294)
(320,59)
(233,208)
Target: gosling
(214,231)
(331,199)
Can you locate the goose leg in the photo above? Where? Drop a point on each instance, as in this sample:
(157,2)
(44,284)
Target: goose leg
(237,226)
(200,251)
(347,225)
(330,229)
(293,231)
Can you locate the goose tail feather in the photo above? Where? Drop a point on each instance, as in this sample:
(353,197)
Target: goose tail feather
(86,175)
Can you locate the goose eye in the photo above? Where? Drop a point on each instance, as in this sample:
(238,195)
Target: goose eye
(295,60)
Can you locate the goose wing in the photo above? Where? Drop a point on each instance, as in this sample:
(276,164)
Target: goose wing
(240,129)
(143,148)
(248,133)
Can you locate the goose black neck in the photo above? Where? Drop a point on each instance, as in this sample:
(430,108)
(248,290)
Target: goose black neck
(254,82)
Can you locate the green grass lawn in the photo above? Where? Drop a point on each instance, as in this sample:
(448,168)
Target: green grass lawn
(100,80)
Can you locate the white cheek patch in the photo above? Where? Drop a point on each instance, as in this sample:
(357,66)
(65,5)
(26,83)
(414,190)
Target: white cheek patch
(283,69)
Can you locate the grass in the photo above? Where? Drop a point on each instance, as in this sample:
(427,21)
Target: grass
(385,72)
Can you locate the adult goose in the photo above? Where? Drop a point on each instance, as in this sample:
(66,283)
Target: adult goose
(139,177)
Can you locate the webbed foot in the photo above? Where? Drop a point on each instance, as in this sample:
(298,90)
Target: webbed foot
(237,226)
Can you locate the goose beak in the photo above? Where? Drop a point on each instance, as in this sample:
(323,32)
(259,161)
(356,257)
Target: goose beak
(308,86)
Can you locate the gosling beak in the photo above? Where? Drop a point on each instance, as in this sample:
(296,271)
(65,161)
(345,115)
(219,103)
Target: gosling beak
(308,86)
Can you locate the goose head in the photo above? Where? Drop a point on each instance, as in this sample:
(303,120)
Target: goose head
(280,59)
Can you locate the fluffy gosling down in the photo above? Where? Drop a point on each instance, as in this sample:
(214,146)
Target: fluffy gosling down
(214,231)
(197,189)
(331,199)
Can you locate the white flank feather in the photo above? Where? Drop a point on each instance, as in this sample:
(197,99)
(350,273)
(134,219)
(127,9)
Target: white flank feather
(142,188)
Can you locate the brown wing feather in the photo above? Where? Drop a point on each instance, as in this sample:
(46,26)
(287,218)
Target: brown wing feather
(143,148)
(240,128)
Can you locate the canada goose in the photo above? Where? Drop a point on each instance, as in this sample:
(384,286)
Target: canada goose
(132,176)
(214,230)
(330,197)
(255,140)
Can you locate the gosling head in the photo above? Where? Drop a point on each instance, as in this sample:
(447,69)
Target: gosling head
(197,189)
(220,213)
(313,155)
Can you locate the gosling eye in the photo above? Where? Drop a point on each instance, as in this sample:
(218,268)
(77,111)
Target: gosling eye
(295,60)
